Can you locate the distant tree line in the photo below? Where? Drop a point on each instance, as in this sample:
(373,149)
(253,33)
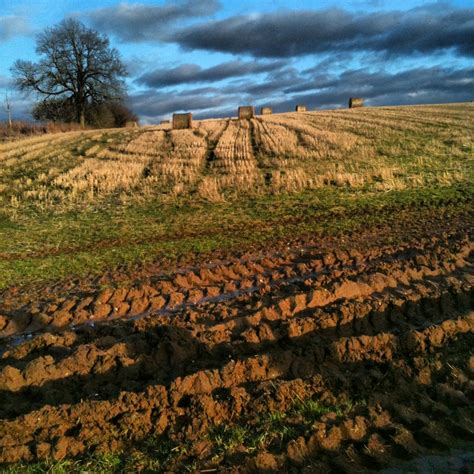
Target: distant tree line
(79,78)
(103,115)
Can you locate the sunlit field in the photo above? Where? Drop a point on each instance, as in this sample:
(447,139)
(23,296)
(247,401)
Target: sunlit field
(371,149)
(290,293)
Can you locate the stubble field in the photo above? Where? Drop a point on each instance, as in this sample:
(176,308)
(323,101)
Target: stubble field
(291,292)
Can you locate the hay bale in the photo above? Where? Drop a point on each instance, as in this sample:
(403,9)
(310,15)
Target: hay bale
(164,122)
(181,121)
(300,108)
(246,112)
(131,124)
(356,102)
(266,111)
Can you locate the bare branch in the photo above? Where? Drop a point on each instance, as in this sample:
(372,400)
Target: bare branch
(76,65)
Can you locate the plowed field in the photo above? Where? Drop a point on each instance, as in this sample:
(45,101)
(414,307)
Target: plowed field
(359,357)
(347,351)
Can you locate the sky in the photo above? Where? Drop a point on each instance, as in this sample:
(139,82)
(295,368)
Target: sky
(210,56)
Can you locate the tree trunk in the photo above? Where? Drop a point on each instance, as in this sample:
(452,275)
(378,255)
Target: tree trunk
(9,111)
(80,111)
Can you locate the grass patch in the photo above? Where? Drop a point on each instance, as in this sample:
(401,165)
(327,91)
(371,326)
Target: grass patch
(81,203)
(157,454)
(104,463)
(152,456)
(274,429)
(49,247)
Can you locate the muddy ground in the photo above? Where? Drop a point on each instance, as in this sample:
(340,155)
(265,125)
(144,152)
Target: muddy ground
(329,355)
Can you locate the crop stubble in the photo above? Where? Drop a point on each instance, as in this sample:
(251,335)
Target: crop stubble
(373,148)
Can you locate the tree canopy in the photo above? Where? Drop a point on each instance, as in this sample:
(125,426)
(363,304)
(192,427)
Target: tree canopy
(103,115)
(77,67)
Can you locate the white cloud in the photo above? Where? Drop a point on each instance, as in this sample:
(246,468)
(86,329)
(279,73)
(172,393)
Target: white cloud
(13,25)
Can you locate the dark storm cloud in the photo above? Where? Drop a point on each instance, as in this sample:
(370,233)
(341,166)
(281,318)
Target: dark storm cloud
(332,61)
(139,22)
(420,85)
(276,83)
(192,73)
(267,88)
(153,105)
(201,90)
(20,105)
(428,29)
(433,79)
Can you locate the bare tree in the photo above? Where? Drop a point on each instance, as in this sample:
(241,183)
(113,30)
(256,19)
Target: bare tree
(8,109)
(77,64)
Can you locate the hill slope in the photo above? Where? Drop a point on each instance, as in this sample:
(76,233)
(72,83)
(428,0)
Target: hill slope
(287,294)
(371,148)
(81,202)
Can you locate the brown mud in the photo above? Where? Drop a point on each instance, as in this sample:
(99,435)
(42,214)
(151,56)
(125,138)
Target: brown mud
(335,359)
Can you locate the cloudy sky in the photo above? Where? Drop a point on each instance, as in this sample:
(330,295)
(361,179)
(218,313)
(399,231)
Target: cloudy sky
(209,56)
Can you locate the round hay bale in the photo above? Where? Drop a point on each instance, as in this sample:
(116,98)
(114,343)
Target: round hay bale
(356,102)
(181,121)
(246,112)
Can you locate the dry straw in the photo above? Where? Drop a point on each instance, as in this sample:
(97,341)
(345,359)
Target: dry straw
(246,112)
(182,121)
(356,102)
(221,159)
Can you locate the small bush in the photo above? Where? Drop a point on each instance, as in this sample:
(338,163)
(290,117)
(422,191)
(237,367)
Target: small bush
(24,128)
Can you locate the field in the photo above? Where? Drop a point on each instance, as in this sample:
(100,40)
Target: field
(292,291)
